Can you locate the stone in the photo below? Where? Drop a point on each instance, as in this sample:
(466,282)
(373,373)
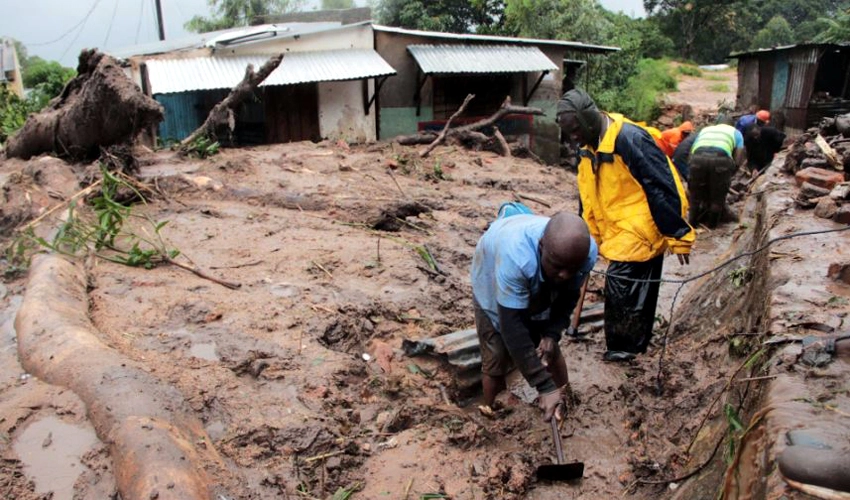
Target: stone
(819,163)
(826,208)
(815,467)
(840,191)
(842,216)
(839,272)
(809,191)
(820,177)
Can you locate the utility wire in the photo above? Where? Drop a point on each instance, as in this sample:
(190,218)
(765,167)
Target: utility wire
(139,24)
(111,21)
(659,387)
(71,30)
(726,262)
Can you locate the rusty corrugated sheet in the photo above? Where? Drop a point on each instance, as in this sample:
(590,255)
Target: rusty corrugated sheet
(748,82)
(801,78)
(462,350)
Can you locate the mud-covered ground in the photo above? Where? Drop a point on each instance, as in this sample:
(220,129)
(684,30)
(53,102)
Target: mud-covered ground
(276,370)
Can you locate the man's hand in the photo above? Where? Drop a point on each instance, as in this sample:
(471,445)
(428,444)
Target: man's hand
(546,350)
(684,258)
(552,403)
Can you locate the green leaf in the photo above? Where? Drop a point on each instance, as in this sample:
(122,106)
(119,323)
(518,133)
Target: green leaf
(733,418)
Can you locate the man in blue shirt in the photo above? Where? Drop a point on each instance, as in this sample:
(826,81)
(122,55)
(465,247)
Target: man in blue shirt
(760,119)
(527,273)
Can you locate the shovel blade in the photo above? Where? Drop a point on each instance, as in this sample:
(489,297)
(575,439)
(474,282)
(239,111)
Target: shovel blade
(560,472)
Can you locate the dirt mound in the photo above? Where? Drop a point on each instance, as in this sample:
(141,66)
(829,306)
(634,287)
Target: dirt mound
(98,108)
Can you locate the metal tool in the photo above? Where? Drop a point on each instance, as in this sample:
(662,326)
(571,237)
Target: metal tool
(559,471)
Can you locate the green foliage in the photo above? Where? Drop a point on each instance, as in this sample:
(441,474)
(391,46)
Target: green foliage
(49,77)
(44,79)
(345,493)
(718,87)
(641,98)
(740,276)
(232,13)
(337,4)
(837,29)
(203,147)
(104,231)
(689,70)
(454,16)
(13,112)
(776,32)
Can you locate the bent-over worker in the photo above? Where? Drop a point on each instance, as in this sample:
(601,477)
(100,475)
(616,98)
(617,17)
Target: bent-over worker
(527,272)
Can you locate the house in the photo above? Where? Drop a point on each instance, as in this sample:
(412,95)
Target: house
(436,71)
(323,88)
(10,68)
(799,84)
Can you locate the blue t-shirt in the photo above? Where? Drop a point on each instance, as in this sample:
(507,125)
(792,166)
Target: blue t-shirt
(506,266)
(744,122)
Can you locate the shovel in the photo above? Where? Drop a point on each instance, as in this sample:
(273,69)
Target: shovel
(559,471)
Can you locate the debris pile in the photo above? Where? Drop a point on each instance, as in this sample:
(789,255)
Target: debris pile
(817,159)
(97,108)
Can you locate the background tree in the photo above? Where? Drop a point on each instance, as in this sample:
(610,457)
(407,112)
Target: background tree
(837,29)
(452,16)
(337,4)
(47,76)
(232,13)
(776,32)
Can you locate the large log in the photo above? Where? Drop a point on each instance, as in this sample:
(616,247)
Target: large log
(97,108)
(222,115)
(160,450)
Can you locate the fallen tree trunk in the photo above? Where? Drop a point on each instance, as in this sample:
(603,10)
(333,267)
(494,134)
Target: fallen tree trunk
(442,134)
(469,131)
(147,424)
(97,108)
(222,115)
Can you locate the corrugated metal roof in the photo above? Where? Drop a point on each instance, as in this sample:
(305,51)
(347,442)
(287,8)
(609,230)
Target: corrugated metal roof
(761,52)
(442,59)
(231,37)
(578,46)
(203,73)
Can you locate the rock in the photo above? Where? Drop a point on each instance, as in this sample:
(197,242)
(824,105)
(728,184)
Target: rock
(842,216)
(840,191)
(344,168)
(826,179)
(826,208)
(839,272)
(813,467)
(817,163)
(809,191)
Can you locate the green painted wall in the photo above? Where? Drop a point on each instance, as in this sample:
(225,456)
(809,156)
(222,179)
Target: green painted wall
(402,121)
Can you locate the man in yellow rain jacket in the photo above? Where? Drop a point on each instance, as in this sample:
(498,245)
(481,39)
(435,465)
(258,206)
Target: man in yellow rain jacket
(636,209)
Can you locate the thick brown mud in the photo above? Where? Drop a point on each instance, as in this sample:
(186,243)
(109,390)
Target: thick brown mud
(298,377)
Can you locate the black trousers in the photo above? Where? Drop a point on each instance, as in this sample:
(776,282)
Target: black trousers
(709,181)
(630,305)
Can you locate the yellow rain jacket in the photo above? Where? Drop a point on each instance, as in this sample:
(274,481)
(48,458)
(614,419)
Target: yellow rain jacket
(632,197)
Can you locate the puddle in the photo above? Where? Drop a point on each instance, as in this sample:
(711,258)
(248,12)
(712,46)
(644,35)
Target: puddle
(165,170)
(8,336)
(204,351)
(284,290)
(50,450)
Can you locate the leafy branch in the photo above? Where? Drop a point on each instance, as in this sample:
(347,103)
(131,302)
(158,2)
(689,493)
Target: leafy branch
(104,231)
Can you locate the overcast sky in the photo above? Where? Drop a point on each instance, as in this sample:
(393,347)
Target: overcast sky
(59,29)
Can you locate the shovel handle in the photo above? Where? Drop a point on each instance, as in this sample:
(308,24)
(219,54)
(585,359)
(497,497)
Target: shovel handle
(556,437)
